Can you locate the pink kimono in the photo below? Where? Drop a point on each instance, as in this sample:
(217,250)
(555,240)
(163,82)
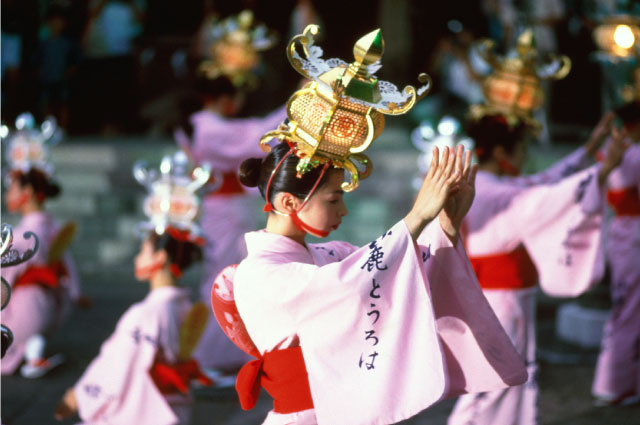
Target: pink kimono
(618,370)
(227,213)
(520,231)
(35,309)
(117,388)
(385,330)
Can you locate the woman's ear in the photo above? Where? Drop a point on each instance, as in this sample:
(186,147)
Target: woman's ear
(287,203)
(160,257)
(498,153)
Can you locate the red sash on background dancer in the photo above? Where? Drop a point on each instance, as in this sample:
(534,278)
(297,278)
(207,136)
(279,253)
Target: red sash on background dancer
(624,202)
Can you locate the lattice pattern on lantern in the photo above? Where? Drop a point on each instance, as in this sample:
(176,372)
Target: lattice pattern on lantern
(335,117)
(513,88)
(234,46)
(28,146)
(172,202)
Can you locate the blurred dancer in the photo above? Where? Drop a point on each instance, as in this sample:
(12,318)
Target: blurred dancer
(524,230)
(45,287)
(521,231)
(219,139)
(617,375)
(143,371)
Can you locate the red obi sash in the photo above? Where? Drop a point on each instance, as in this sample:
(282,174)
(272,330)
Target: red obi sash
(47,276)
(172,378)
(514,270)
(625,202)
(230,185)
(283,374)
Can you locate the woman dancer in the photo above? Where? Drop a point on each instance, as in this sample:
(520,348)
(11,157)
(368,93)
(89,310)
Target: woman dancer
(617,376)
(524,230)
(143,370)
(45,287)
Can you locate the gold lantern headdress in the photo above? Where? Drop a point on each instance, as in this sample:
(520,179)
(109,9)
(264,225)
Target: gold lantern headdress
(336,116)
(172,204)
(29,146)
(234,45)
(513,88)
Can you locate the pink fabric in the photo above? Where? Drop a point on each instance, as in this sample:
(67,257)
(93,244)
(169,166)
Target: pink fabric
(116,388)
(224,143)
(618,369)
(557,219)
(33,309)
(375,349)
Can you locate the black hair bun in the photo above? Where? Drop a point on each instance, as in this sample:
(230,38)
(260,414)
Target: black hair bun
(249,172)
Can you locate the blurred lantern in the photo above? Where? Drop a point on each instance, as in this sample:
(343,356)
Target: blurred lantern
(618,36)
(234,46)
(335,117)
(172,203)
(447,133)
(513,88)
(29,146)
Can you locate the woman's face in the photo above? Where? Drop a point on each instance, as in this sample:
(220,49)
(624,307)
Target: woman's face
(326,207)
(148,261)
(17,196)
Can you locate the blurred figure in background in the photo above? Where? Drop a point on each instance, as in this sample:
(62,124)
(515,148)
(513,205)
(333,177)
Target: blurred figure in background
(108,42)
(524,230)
(55,62)
(43,288)
(214,136)
(143,371)
(617,375)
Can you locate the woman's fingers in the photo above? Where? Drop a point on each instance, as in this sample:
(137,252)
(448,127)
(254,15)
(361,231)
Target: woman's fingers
(435,156)
(472,176)
(467,166)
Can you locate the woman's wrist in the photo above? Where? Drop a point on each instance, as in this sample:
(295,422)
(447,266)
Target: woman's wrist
(451,229)
(415,223)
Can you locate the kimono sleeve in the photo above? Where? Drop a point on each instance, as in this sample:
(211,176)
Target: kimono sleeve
(560,225)
(576,161)
(479,354)
(237,139)
(116,387)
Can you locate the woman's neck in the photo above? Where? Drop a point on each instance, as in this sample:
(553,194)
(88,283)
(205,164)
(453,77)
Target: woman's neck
(283,225)
(31,207)
(162,278)
(490,167)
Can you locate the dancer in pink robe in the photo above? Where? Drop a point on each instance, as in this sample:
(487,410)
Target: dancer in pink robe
(143,371)
(524,230)
(43,291)
(341,331)
(617,375)
(227,213)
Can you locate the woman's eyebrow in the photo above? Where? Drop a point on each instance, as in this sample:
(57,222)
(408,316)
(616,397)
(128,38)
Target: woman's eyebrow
(338,192)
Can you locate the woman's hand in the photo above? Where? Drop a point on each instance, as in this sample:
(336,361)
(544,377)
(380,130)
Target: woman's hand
(67,407)
(615,153)
(460,197)
(599,133)
(444,174)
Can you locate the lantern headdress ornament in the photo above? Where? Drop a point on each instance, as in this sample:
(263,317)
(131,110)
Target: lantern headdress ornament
(172,204)
(336,116)
(513,88)
(29,146)
(234,46)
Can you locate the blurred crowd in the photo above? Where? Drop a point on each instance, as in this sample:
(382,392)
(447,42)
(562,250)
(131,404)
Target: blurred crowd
(128,66)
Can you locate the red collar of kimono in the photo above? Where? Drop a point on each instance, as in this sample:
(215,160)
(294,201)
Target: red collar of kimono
(268,206)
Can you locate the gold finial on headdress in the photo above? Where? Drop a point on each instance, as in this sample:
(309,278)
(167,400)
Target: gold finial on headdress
(335,117)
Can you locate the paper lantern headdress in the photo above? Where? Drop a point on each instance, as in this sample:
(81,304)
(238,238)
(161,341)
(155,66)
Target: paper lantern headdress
(337,115)
(29,146)
(513,87)
(234,46)
(172,204)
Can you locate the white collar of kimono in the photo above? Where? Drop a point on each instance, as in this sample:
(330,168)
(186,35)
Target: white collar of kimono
(261,241)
